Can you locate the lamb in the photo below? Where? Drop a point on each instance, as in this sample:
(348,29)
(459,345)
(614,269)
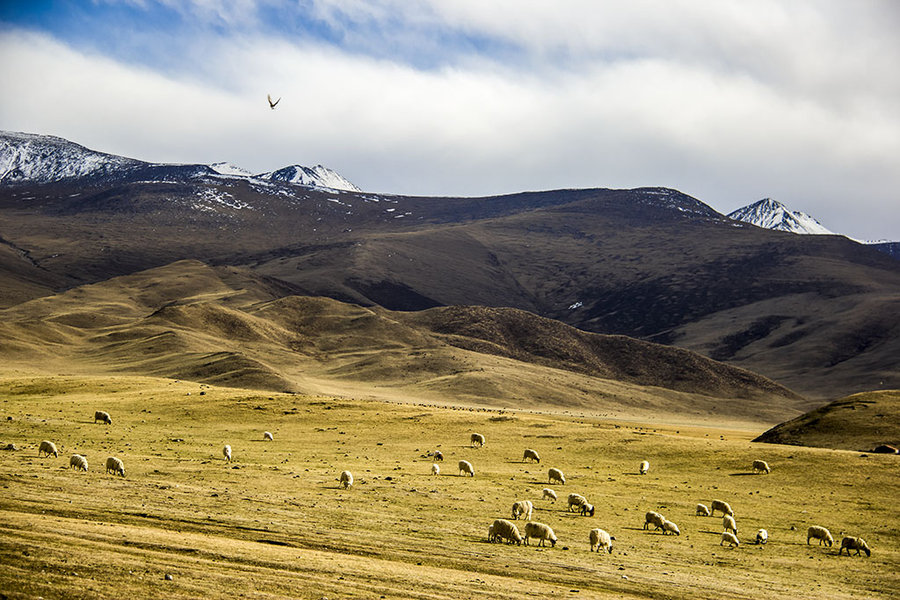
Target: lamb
(601,539)
(477,440)
(522,508)
(531,454)
(580,502)
(761,466)
(47,447)
(645,466)
(435,469)
(854,543)
(502,529)
(78,462)
(115,465)
(346,479)
(762,536)
(548,493)
(540,532)
(556,475)
(268,436)
(729,537)
(722,506)
(728,523)
(653,518)
(226,452)
(702,510)
(102,416)
(465,467)
(670,527)
(821,534)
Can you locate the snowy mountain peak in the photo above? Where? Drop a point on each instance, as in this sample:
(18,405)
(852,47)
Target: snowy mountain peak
(317,176)
(226,168)
(771,214)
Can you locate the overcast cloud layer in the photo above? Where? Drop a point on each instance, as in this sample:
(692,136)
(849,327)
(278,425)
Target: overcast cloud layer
(729,101)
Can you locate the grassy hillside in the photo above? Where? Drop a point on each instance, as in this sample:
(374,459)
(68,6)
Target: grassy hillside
(275,524)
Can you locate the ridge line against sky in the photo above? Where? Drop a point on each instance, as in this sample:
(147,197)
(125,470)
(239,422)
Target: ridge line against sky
(728,101)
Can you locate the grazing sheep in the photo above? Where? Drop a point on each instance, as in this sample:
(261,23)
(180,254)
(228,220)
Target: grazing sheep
(762,536)
(115,465)
(267,435)
(346,479)
(438,455)
(819,533)
(532,454)
(653,518)
(601,539)
(854,543)
(556,475)
(435,469)
(729,537)
(580,503)
(702,510)
(102,416)
(548,493)
(522,508)
(226,452)
(670,527)
(47,447)
(728,523)
(761,466)
(502,529)
(540,532)
(477,440)
(78,462)
(645,466)
(722,506)
(465,467)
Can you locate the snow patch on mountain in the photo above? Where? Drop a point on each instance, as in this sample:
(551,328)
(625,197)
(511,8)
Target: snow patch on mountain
(226,168)
(771,214)
(317,176)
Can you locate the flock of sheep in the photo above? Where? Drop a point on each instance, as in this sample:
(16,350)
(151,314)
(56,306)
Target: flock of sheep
(79,462)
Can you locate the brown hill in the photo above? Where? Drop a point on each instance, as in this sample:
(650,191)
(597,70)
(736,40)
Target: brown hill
(858,422)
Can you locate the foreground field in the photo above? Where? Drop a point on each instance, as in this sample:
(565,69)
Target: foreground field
(275,523)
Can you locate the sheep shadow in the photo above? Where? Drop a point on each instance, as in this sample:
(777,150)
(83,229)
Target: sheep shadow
(743,474)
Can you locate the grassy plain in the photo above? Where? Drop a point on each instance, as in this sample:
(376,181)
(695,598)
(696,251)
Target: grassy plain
(275,523)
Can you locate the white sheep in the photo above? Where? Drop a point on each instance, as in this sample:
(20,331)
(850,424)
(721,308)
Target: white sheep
(854,543)
(47,447)
(522,508)
(346,479)
(729,524)
(435,469)
(670,527)
(78,462)
(466,468)
(761,466)
(819,533)
(762,536)
(502,529)
(601,539)
(556,475)
(729,537)
(267,436)
(226,452)
(653,518)
(102,416)
(722,506)
(115,465)
(645,466)
(531,454)
(539,531)
(548,493)
(702,510)
(580,503)
(477,439)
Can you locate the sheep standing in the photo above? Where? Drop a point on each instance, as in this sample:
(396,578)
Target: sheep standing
(854,543)
(762,536)
(502,529)
(670,527)
(115,466)
(435,469)
(466,468)
(645,466)
(522,508)
(438,455)
(556,475)
(103,417)
(532,455)
(548,493)
(346,479)
(729,537)
(761,466)
(78,462)
(601,539)
(540,532)
(819,533)
(267,436)
(226,452)
(653,518)
(729,524)
(721,506)
(477,440)
(702,510)
(580,503)
(47,447)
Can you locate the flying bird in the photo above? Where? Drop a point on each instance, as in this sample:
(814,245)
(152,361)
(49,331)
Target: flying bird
(272,104)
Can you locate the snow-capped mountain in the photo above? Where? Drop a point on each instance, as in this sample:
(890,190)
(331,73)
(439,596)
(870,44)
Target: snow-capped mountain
(226,168)
(771,214)
(317,176)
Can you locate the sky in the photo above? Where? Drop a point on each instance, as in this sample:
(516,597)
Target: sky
(728,101)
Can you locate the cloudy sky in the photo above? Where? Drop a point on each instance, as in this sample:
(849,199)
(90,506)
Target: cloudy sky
(726,100)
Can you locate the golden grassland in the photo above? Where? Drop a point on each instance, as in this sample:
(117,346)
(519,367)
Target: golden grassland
(276,524)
